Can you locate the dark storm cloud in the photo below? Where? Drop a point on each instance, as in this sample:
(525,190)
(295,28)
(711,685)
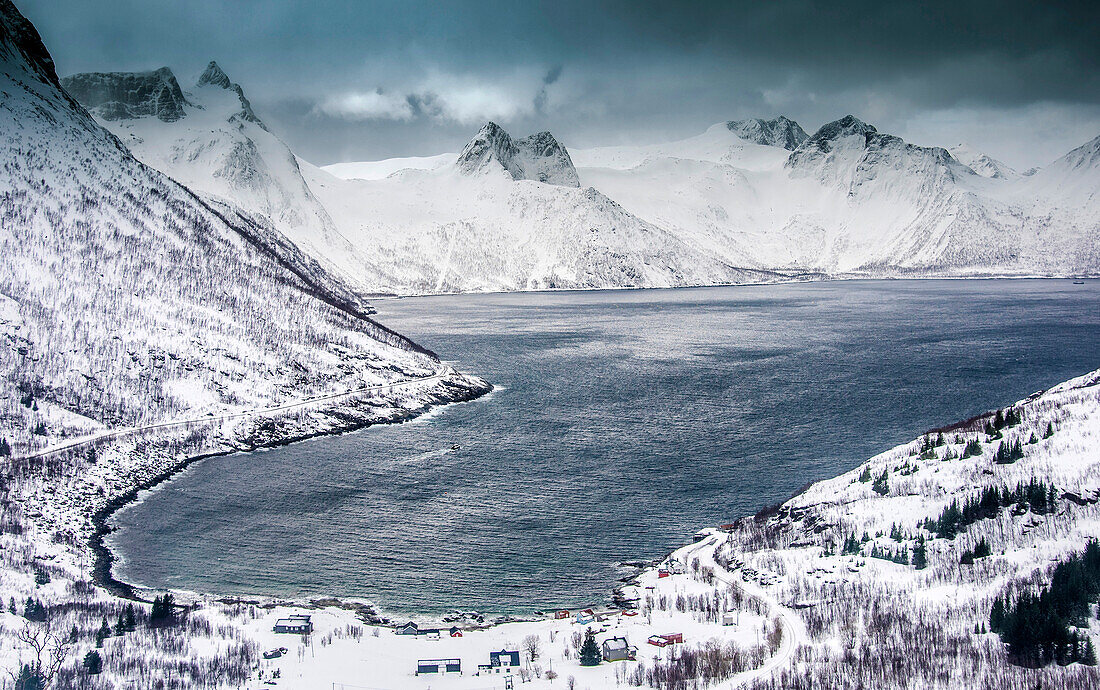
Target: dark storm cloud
(345,80)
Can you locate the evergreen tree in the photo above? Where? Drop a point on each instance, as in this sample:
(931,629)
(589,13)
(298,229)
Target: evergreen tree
(1050,430)
(102,634)
(34,611)
(131,619)
(866,475)
(93,663)
(590,652)
(1089,658)
(5,447)
(74,635)
(30,678)
(920,554)
(11,607)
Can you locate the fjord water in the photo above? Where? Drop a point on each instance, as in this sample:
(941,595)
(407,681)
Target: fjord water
(623,422)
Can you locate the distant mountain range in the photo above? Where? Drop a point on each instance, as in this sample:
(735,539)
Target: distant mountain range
(748,200)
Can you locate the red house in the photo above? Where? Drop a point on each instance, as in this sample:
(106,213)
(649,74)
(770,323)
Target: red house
(561,614)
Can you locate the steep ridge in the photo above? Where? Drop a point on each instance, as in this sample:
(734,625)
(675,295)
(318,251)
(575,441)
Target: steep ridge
(781,132)
(538,157)
(126,299)
(219,147)
(128,95)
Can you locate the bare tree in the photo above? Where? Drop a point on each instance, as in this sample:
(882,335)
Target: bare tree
(532,645)
(48,649)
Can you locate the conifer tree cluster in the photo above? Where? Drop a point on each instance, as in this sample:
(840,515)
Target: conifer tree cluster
(973,449)
(1008,453)
(981,550)
(34,611)
(1040,629)
(5,447)
(882,483)
(163,611)
(1036,495)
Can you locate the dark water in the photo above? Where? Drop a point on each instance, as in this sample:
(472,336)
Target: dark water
(624,421)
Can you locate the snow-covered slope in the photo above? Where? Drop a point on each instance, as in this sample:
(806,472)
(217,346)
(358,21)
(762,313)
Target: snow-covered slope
(852,200)
(215,144)
(447,230)
(984,165)
(127,299)
(377,170)
(871,545)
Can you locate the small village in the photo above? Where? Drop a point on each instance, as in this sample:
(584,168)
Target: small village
(675,605)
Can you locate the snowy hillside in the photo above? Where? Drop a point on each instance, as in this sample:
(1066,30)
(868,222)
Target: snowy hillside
(128,300)
(446,230)
(850,200)
(216,145)
(919,542)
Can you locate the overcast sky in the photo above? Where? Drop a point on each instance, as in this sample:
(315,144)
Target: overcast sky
(342,80)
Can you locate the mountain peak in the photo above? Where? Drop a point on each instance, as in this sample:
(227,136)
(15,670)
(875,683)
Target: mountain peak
(214,76)
(18,36)
(849,125)
(780,131)
(129,95)
(539,157)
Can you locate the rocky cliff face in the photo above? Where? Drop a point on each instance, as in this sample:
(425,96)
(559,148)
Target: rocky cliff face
(779,132)
(215,77)
(128,95)
(539,157)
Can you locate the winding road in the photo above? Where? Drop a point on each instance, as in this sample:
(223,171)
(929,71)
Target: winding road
(794,630)
(441,373)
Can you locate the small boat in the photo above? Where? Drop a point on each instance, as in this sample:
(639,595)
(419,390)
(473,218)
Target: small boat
(1078,282)
(455,447)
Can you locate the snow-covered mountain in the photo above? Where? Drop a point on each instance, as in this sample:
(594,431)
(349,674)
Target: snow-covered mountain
(538,157)
(850,199)
(214,143)
(781,132)
(506,214)
(125,298)
(752,199)
(984,165)
(459,228)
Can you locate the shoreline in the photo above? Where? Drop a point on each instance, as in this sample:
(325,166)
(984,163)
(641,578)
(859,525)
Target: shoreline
(103,558)
(807,277)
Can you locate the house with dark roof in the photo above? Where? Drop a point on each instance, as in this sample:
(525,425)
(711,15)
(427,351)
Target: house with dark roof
(431,666)
(409,628)
(503,661)
(299,624)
